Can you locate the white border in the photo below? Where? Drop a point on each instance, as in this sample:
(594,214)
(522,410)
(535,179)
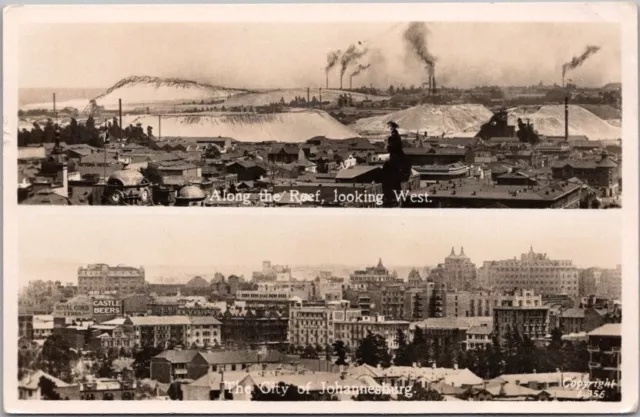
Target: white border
(623,13)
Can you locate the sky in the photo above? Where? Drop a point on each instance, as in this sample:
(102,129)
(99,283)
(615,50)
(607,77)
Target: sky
(165,241)
(272,55)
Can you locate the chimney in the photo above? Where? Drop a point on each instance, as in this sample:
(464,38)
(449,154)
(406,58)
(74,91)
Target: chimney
(321,93)
(433,84)
(566,118)
(350,82)
(160,130)
(327,84)
(120,112)
(308,98)
(55,114)
(430,85)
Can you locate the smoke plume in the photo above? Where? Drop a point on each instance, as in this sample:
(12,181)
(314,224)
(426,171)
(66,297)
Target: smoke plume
(576,61)
(332,59)
(351,55)
(416,37)
(360,69)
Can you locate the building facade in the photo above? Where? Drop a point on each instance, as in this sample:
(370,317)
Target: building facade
(376,275)
(105,279)
(351,332)
(315,325)
(537,272)
(457,272)
(159,330)
(605,360)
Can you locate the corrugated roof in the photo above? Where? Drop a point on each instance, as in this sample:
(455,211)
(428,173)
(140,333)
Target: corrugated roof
(202,321)
(178,356)
(160,320)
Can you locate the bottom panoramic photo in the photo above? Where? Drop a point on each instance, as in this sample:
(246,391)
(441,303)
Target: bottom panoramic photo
(319,308)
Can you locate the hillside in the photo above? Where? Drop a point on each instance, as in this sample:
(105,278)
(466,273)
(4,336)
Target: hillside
(294,126)
(147,90)
(452,120)
(549,120)
(265,98)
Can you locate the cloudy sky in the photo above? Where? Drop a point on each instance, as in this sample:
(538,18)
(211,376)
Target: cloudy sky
(167,242)
(270,55)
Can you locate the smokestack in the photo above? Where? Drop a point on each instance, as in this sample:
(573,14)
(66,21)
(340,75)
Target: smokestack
(159,127)
(55,114)
(120,111)
(308,98)
(327,84)
(566,118)
(320,99)
(350,82)
(430,85)
(433,84)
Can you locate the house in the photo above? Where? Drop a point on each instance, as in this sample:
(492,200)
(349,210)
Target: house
(205,331)
(502,391)
(29,385)
(171,365)
(246,170)
(229,361)
(284,154)
(439,155)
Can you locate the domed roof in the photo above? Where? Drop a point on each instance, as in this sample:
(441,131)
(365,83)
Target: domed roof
(191,192)
(127,177)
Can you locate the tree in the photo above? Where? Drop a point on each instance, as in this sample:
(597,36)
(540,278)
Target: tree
(104,371)
(309,353)
(142,360)
(57,357)
(47,389)
(556,339)
(373,351)
(175,391)
(152,174)
(404,354)
(340,350)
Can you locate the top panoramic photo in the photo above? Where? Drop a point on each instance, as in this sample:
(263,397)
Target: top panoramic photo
(370,115)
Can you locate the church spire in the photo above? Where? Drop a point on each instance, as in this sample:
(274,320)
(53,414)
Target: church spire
(380,263)
(453,253)
(461,250)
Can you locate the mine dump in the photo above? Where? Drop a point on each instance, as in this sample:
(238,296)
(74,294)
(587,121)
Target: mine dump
(149,140)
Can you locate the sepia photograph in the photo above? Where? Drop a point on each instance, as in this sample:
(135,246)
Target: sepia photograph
(428,312)
(413,114)
(252,109)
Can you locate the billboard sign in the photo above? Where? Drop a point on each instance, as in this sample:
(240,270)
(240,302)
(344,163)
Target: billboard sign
(107,307)
(73,308)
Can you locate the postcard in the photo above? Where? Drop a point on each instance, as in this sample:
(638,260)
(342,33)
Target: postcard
(245,306)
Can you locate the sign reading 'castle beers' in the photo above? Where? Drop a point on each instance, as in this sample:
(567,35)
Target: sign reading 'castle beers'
(112,307)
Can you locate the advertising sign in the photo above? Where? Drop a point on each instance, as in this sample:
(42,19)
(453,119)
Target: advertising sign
(75,309)
(110,307)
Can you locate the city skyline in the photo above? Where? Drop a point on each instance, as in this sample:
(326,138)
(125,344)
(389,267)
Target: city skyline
(114,51)
(398,241)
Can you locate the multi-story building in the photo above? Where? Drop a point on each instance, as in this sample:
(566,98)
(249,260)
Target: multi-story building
(376,275)
(315,325)
(255,327)
(528,320)
(469,303)
(327,287)
(159,330)
(604,346)
(105,279)
(611,282)
(603,174)
(483,277)
(271,272)
(301,289)
(25,326)
(392,300)
(420,302)
(589,281)
(352,331)
(42,327)
(478,337)
(537,272)
(448,332)
(414,279)
(457,272)
(205,331)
